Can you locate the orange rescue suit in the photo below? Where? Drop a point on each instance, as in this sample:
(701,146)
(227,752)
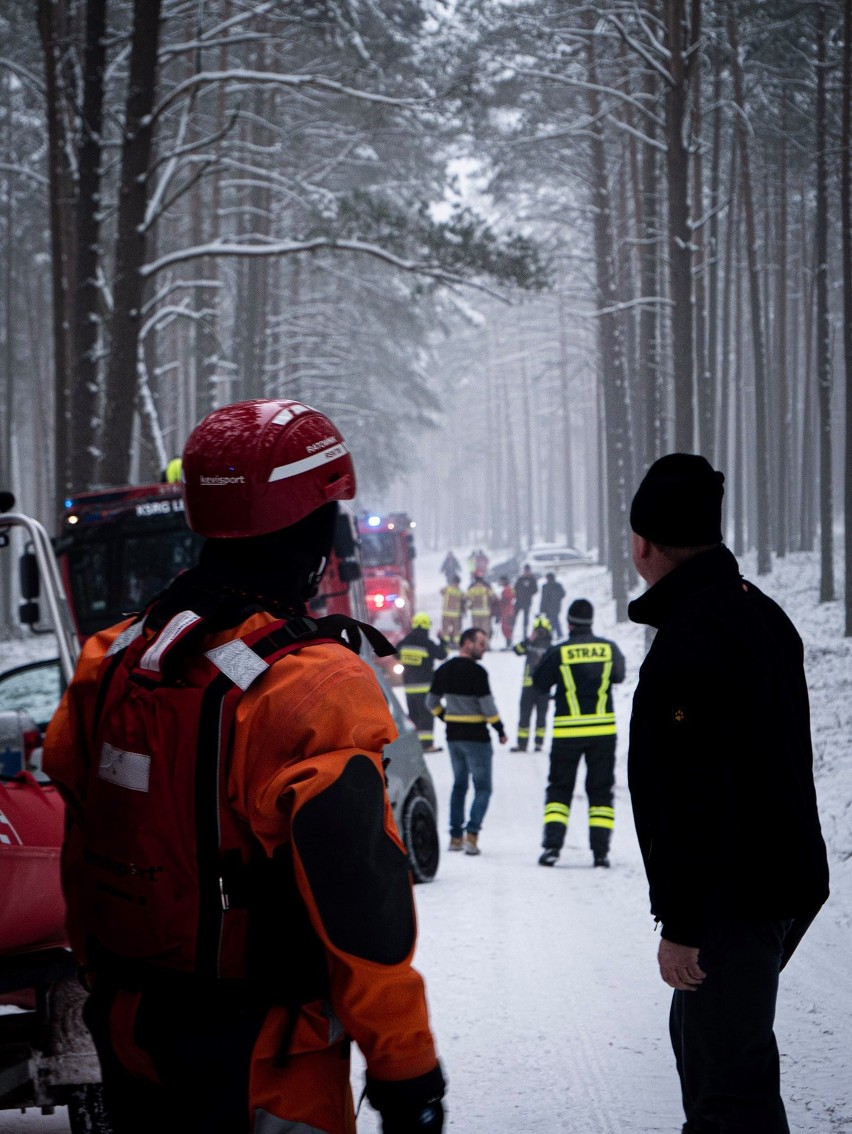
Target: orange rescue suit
(305,765)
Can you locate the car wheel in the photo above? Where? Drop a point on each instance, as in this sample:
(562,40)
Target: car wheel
(420,835)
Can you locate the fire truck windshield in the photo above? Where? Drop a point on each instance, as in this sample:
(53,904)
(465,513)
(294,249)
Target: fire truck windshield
(116,569)
(378,549)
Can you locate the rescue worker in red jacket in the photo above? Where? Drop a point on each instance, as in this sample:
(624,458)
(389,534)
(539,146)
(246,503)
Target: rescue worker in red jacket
(238,897)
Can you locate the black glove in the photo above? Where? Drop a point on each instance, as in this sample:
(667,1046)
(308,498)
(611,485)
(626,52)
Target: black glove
(409,1106)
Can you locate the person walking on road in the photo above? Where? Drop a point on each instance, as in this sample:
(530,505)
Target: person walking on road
(450,567)
(550,602)
(533,649)
(452,611)
(418,654)
(461,697)
(584,670)
(507,610)
(720,770)
(237,894)
(480,601)
(526,588)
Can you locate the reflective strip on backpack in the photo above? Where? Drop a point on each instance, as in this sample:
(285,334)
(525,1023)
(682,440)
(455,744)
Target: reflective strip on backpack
(174,629)
(238,662)
(129,770)
(130,634)
(266,1123)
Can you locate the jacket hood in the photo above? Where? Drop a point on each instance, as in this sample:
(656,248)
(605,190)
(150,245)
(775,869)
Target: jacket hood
(707,569)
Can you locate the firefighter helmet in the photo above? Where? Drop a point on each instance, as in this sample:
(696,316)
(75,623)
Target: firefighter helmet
(542,622)
(421,621)
(258,466)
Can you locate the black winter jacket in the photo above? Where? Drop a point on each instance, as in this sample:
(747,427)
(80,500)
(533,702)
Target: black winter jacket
(720,762)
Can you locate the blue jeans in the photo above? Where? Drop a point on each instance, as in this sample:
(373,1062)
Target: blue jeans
(470,759)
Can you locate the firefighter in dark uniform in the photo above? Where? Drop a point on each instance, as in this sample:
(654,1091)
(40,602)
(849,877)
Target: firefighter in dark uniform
(533,649)
(583,669)
(418,654)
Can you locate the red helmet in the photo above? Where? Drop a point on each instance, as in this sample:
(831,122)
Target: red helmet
(255,467)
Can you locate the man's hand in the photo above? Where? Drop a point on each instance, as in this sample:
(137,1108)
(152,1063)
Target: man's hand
(679,966)
(504,739)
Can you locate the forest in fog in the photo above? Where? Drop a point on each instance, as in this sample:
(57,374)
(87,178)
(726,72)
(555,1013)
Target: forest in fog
(515,248)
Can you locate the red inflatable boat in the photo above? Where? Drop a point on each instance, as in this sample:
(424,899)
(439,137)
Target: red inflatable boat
(32,911)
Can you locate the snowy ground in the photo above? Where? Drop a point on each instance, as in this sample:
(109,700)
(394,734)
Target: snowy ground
(545,998)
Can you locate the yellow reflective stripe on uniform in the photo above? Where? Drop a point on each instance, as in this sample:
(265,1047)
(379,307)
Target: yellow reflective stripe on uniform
(603,688)
(584,719)
(583,731)
(411,655)
(416,688)
(527,682)
(474,719)
(602,817)
(570,688)
(556,813)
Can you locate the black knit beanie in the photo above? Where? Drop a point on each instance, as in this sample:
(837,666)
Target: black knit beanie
(679,503)
(581,612)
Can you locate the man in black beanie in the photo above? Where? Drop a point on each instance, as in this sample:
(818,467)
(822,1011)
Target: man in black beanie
(721,780)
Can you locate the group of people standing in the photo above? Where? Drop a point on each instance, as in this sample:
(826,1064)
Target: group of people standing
(578,673)
(489,608)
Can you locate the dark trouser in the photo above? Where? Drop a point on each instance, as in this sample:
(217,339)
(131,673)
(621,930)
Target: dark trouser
(201,1054)
(722,1036)
(421,718)
(600,780)
(555,623)
(525,611)
(532,699)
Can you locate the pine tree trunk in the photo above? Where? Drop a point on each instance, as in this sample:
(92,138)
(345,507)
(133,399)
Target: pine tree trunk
(128,290)
(784,434)
(611,346)
(713,255)
(764,560)
(823,328)
(50,17)
(87,322)
(650,376)
(680,235)
(846,227)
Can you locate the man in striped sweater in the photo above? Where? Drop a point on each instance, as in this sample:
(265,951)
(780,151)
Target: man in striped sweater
(461,697)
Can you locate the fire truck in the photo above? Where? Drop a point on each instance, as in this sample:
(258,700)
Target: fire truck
(387,554)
